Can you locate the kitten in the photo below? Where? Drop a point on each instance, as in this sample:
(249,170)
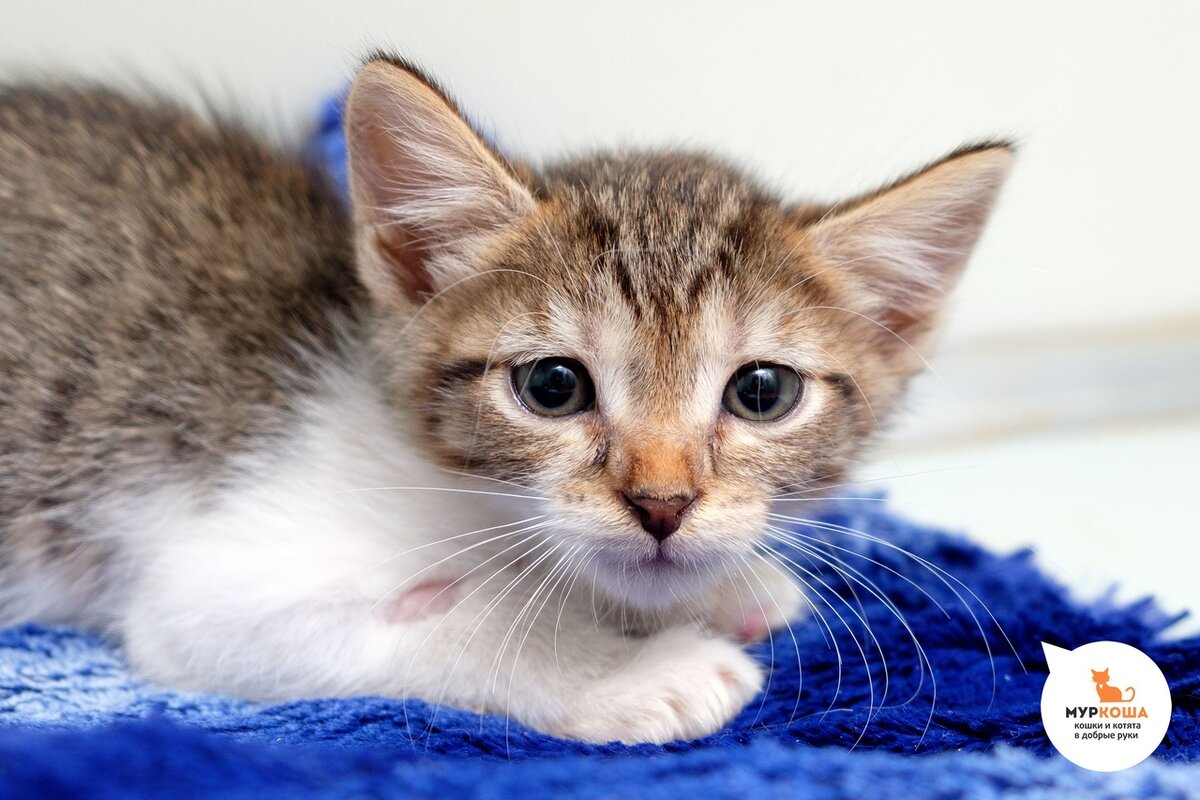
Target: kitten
(497,438)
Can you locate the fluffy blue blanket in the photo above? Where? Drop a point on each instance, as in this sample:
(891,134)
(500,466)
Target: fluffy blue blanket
(854,708)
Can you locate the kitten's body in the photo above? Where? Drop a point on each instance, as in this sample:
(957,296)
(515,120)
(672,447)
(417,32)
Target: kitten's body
(254,468)
(159,278)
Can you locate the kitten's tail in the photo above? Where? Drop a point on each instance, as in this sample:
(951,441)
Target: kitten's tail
(1132,692)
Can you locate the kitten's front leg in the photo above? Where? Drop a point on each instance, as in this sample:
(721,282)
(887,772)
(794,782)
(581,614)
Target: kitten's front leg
(269,618)
(675,684)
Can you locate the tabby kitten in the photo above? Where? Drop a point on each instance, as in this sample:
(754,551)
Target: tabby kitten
(497,438)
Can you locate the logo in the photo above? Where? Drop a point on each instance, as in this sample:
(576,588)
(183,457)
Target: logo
(1097,723)
(1110,694)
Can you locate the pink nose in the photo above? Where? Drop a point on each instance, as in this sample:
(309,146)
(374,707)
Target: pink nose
(660,517)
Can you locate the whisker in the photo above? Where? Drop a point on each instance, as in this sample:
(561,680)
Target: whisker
(456,554)
(437,542)
(438,489)
(766,691)
(831,641)
(787,627)
(565,562)
(857,576)
(923,659)
(816,487)
(538,542)
(945,577)
(492,478)
(800,540)
(579,570)
(857,644)
(477,622)
(560,566)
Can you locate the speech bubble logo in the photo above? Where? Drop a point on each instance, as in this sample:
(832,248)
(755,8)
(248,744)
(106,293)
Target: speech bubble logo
(1105,706)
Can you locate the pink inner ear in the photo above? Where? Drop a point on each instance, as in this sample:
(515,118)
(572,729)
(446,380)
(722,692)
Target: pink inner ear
(901,250)
(425,185)
(898,320)
(408,258)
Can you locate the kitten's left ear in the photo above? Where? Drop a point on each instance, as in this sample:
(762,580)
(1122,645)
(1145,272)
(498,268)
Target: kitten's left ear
(900,250)
(427,189)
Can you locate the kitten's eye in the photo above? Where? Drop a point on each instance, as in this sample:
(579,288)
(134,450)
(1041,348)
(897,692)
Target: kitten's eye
(554,387)
(762,392)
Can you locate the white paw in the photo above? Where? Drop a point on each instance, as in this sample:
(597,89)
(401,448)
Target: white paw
(678,685)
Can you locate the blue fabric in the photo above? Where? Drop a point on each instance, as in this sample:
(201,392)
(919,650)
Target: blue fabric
(74,722)
(329,145)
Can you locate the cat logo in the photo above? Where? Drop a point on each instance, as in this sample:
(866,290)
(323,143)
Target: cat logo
(1110,694)
(1116,732)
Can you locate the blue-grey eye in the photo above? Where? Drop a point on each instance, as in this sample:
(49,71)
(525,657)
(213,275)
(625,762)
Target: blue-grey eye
(554,387)
(762,392)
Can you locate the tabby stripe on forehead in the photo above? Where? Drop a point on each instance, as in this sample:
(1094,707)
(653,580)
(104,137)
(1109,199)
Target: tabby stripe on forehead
(625,284)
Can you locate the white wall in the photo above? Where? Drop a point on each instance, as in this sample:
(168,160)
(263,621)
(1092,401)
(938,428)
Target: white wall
(1098,226)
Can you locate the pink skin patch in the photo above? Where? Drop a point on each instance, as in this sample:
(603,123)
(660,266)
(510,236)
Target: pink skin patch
(753,628)
(425,599)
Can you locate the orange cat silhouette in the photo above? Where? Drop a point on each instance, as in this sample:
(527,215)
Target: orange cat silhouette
(1110,694)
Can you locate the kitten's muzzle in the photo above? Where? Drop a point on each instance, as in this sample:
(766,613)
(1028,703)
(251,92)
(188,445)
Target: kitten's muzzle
(660,517)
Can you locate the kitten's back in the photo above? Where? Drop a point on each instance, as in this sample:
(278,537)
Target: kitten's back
(155,272)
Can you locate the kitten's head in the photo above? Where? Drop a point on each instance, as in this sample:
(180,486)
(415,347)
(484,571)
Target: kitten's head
(651,342)
(1100,677)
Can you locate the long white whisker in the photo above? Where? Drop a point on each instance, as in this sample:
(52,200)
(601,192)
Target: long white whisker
(766,692)
(565,563)
(455,554)
(813,486)
(439,489)
(787,626)
(579,570)
(946,578)
(796,538)
(872,706)
(832,640)
(492,478)
(477,622)
(922,656)
(456,536)
(850,573)
(538,542)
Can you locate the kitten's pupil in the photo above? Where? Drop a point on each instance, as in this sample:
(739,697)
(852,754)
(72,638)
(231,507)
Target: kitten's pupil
(759,390)
(762,392)
(554,387)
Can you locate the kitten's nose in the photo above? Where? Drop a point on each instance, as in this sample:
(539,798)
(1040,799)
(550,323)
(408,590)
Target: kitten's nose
(660,517)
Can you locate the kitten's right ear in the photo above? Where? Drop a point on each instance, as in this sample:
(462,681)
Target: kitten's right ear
(425,186)
(903,248)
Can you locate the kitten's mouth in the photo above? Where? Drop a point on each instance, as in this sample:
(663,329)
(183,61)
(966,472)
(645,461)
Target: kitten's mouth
(661,559)
(665,560)
(656,579)
(658,562)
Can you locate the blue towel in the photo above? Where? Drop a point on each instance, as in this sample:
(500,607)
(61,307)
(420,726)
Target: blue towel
(959,715)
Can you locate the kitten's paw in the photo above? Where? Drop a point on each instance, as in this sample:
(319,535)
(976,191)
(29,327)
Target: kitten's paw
(680,685)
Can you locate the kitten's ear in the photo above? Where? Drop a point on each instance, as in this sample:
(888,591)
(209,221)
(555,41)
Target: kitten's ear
(426,188)
(902,249)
